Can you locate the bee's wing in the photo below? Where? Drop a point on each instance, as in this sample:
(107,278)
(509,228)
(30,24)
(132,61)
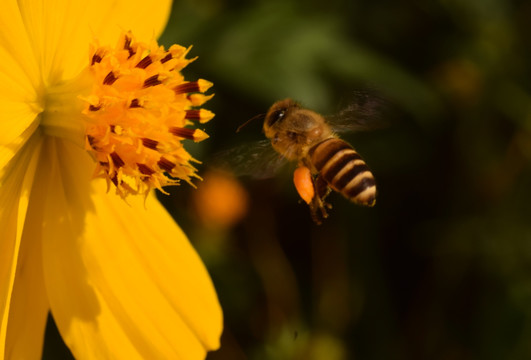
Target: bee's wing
(362,112)
(258,160)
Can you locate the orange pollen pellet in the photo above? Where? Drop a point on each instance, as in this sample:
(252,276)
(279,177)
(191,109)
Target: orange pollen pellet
(302,178)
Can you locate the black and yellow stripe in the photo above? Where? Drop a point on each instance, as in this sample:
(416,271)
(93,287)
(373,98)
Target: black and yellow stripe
(344,170)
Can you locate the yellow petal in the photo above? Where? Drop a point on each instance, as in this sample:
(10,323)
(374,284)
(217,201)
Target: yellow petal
(61,30)
(123,281)
(147,19)
(29,303)
(18,67)
(17,123)
(19,79)
(15,186)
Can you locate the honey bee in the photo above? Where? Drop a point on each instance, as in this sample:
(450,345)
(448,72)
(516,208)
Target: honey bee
(325,162)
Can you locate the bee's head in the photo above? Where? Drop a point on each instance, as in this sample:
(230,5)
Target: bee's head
(290,127)
(278,112)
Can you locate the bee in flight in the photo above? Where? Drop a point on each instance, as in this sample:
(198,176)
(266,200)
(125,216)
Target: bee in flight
(325,162)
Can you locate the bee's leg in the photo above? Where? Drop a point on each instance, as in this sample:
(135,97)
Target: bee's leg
(313,191)
(318,206)
(322,189)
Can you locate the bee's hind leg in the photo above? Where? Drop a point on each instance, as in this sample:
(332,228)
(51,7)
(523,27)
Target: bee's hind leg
(313,190)
(318,205)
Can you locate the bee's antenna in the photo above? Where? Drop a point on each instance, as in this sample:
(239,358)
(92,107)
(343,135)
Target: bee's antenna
(259,116)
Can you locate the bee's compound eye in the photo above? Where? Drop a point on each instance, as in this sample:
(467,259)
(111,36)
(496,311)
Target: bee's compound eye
(276,116)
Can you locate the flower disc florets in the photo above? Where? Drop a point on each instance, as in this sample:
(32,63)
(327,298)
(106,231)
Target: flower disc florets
(139,112)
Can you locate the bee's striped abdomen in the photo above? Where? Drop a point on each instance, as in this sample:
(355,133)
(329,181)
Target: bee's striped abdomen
(344,170)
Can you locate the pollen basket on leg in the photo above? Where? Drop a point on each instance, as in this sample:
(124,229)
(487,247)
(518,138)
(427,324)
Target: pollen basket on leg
(139,113)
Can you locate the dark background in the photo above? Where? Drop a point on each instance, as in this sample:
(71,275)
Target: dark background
(440,268)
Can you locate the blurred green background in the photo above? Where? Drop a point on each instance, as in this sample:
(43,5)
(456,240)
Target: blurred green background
(440,268)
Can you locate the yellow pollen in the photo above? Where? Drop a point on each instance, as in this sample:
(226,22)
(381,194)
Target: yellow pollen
(139,112)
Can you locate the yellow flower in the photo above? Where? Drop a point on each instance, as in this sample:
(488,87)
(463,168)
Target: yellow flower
(78,101)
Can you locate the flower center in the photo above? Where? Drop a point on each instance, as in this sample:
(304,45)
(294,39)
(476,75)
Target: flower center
(139,112)
(61,109)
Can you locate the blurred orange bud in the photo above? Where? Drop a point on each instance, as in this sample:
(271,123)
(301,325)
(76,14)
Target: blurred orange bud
(461,79)
(220,200)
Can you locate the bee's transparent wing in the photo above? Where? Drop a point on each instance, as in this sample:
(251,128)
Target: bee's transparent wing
(363,111)
(258,160)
